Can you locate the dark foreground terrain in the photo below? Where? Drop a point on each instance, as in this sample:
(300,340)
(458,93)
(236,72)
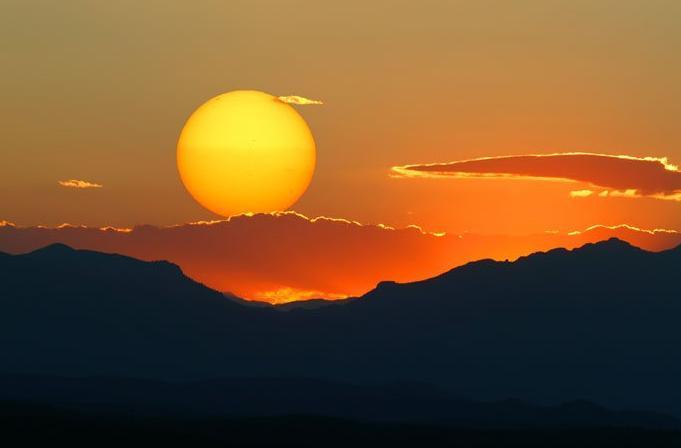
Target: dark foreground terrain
(289,412)
(35,425)
(599,323)
(564,348)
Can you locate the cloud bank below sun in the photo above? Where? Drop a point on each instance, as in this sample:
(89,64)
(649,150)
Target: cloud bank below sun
(614,175)
(287,256)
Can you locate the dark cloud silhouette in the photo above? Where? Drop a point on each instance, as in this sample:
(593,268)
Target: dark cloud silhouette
(615,175)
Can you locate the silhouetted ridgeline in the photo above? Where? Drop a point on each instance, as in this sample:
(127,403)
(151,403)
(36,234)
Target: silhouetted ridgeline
(255,256)
(599,323)
(262,397)
(43,425)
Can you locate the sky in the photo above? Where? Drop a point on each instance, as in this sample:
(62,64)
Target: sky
(287,256)
(98,91)
(433,114)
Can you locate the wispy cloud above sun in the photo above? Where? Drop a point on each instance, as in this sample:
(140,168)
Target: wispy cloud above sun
(299,100)
(75,183)
(613,175)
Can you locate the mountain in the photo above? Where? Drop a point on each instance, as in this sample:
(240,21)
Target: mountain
(308,304)
(87,312)
(39,425)
(287,254)
(598,323)
(270,397)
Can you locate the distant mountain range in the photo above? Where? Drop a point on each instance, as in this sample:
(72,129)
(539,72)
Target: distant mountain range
(599,323)
(269,397)
(286,256)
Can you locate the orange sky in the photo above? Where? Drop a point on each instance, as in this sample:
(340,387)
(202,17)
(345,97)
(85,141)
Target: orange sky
(288,256)
(99,92)
(95,95)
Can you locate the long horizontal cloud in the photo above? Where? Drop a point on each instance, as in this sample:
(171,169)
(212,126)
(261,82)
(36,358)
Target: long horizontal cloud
(75,183)
(618,175)
(287,256)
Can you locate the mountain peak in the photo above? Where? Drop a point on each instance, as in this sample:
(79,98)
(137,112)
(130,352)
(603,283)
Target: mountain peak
(610,245)
(54,248)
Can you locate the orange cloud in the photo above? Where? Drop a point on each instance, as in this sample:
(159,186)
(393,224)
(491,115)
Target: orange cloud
(265,256)
(286,295)
(617,175)
(75,183)
(287,256)
(581,193)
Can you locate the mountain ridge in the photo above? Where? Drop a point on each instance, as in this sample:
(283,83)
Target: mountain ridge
(599,324)
(253,397)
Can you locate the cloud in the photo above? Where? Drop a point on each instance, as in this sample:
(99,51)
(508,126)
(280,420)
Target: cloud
(299,100)
(286,256)
(625,227)
(75,183)
(650,239)
(286,295)
(618,175)
(581,193)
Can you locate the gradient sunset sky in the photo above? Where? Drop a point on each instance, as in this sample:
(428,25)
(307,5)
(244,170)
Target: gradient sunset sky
(98,91)
(529,122)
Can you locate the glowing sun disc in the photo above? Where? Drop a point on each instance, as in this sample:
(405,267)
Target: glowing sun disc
(246,151)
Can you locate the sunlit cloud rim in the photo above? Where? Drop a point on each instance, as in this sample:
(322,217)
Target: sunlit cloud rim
(655,177)
(312,220)
(625,227)
(630,194)
(10,224)
(290,213)
(288,294)
(299,100)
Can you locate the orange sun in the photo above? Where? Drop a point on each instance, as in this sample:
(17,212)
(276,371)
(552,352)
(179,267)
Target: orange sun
(246,151)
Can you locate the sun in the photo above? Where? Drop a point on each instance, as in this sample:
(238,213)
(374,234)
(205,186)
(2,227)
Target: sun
(246,151)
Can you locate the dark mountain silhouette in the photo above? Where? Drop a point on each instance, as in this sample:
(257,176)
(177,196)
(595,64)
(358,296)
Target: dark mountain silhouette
(250,303)
(308,304)
(598,323)
(256,256)
(312,304)
(37,425)
(238,397)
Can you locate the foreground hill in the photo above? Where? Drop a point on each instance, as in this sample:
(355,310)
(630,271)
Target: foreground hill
(45,426)
(263,397)
(598,323)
